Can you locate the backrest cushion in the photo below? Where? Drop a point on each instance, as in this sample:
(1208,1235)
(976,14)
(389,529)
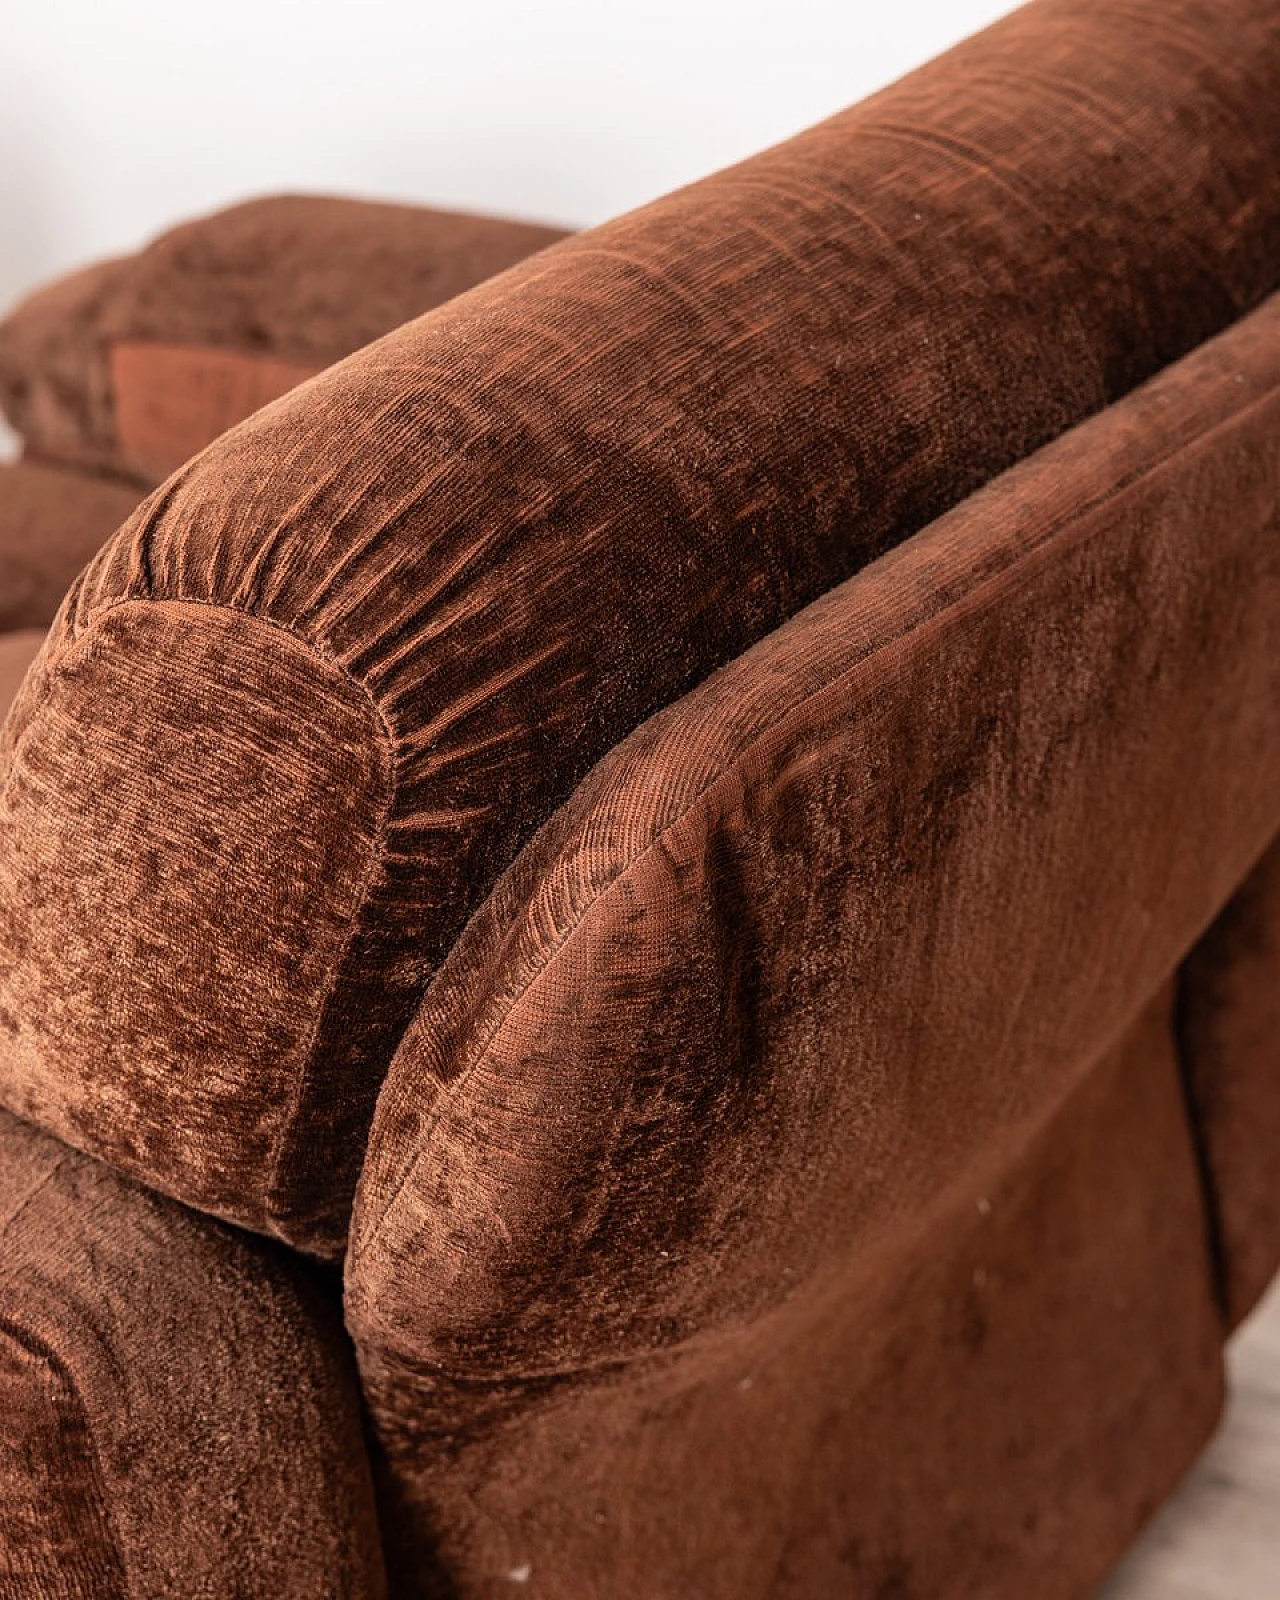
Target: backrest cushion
(136,364)
(305,708)
(52,520)
(843,926)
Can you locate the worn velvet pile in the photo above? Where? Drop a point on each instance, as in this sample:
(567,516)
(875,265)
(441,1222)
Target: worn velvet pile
(739,1033)
(432,587)
(723,790)
(135,364)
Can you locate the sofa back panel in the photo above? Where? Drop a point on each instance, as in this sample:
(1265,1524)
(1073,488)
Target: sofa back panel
(1229,1035)
(848,918)
(256,298)
(52,521)
(988,1405)
(526,522)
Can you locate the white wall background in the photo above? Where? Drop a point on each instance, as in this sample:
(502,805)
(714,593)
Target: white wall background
(118,117)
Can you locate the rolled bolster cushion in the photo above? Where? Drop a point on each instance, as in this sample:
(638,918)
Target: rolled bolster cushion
(306,707)
(179,1410)
(136,364)
(52,520)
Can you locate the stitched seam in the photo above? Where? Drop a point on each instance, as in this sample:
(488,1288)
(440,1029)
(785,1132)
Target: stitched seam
(339,667)
(1021,569)
(1217,1247)
(1217,1264)
(374,864)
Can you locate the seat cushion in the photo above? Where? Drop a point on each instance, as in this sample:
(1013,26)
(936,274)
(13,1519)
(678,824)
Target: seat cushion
(136,364)
(179,1413)
(52,520)
(307,706)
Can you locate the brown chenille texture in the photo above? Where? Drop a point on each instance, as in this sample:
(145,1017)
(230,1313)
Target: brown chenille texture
(842,919)
(52,520)
(801,964)
(985,1401)
(303,711)
(179,1411)
(136,364)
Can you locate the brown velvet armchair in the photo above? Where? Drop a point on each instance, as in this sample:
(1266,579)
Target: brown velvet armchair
(640,926)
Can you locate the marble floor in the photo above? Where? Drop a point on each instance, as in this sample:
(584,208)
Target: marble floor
(1219,1537)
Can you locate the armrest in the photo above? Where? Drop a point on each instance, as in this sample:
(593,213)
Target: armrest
(179,1412)
(133,365)
(303,711)
(818,947)
(52,521)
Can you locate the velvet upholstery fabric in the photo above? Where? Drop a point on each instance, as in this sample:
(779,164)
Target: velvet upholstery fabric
(521,524)
(179,1413)
(138,363)
(261,906)
(804,956)
(52,520)
(1229,1032)
(987,1401)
